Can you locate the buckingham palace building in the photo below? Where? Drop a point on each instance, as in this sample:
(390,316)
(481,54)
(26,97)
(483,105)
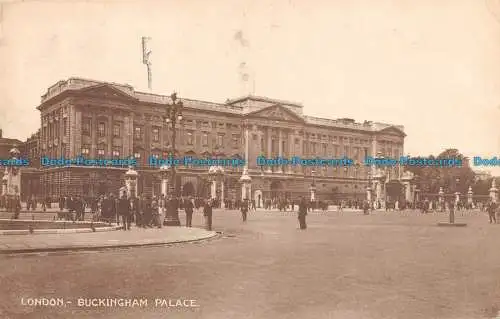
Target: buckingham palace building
(96,119)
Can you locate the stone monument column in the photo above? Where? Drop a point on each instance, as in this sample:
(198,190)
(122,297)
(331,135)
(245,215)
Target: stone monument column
(494,192)
(245,180)
(164,170)
(213,192)
(131,182)
(469,196)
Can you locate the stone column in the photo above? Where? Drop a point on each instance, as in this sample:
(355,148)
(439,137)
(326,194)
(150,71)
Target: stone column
(4,184)
(378,190)
(280,149)
(312,189)
(131,177)
(269,148)
(214,189)
(494,192)
(441,196)
(469,196)
(109,136)
(408,191)
(369,194)
(222,204)
(291,150)
(164,186)
(457,197)
(247,145)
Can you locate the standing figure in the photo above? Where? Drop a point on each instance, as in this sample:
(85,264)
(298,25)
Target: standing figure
(188,209)
(366,207)
(492,210)
(302,213)
(207,212)
(124,211)
(244,210)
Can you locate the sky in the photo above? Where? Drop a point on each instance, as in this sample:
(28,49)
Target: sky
(432,66)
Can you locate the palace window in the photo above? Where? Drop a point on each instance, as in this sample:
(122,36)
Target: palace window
(189,140)
(220,140)
(356,154)
(324,149)
(116,152)
(85,127)
(101,150)
(236,140)
(138,133)
(116,130)
(204,139)
(101,129)
(156,134)
(346,151)
(85,150)
(366,152)
(262,145)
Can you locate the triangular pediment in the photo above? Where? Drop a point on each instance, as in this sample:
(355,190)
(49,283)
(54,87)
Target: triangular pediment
(276,112)
(107,91)
(392,130)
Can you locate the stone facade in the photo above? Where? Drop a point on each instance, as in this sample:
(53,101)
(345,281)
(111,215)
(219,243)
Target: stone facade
(109,120)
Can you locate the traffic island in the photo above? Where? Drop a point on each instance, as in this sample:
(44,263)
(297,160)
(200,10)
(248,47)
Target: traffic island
(137,237)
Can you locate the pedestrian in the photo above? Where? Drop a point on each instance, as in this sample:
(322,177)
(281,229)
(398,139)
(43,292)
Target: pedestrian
(302,213)
(492,210)
(188,209)
(244,209)
(366,207)
(207,212)
(124,211)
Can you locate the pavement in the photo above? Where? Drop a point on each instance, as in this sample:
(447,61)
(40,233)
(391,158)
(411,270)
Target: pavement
(10,244)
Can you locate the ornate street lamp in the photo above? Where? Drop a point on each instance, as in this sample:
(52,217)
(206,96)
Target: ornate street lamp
(172,117)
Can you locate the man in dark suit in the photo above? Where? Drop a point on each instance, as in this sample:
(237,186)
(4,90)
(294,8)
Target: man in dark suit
(244,209)
(207,212)
(188,209)
(302,213)
(124,211)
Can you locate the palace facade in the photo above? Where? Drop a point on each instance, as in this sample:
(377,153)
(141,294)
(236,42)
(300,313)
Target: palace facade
(108,120)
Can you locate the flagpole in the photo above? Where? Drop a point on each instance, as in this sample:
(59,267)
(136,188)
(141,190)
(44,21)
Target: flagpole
(146,59)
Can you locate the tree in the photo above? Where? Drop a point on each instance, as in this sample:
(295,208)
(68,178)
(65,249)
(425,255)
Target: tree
(451,178)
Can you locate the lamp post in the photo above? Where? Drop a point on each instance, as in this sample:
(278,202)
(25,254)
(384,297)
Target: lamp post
(369,188)
(172,117)
(313,187)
